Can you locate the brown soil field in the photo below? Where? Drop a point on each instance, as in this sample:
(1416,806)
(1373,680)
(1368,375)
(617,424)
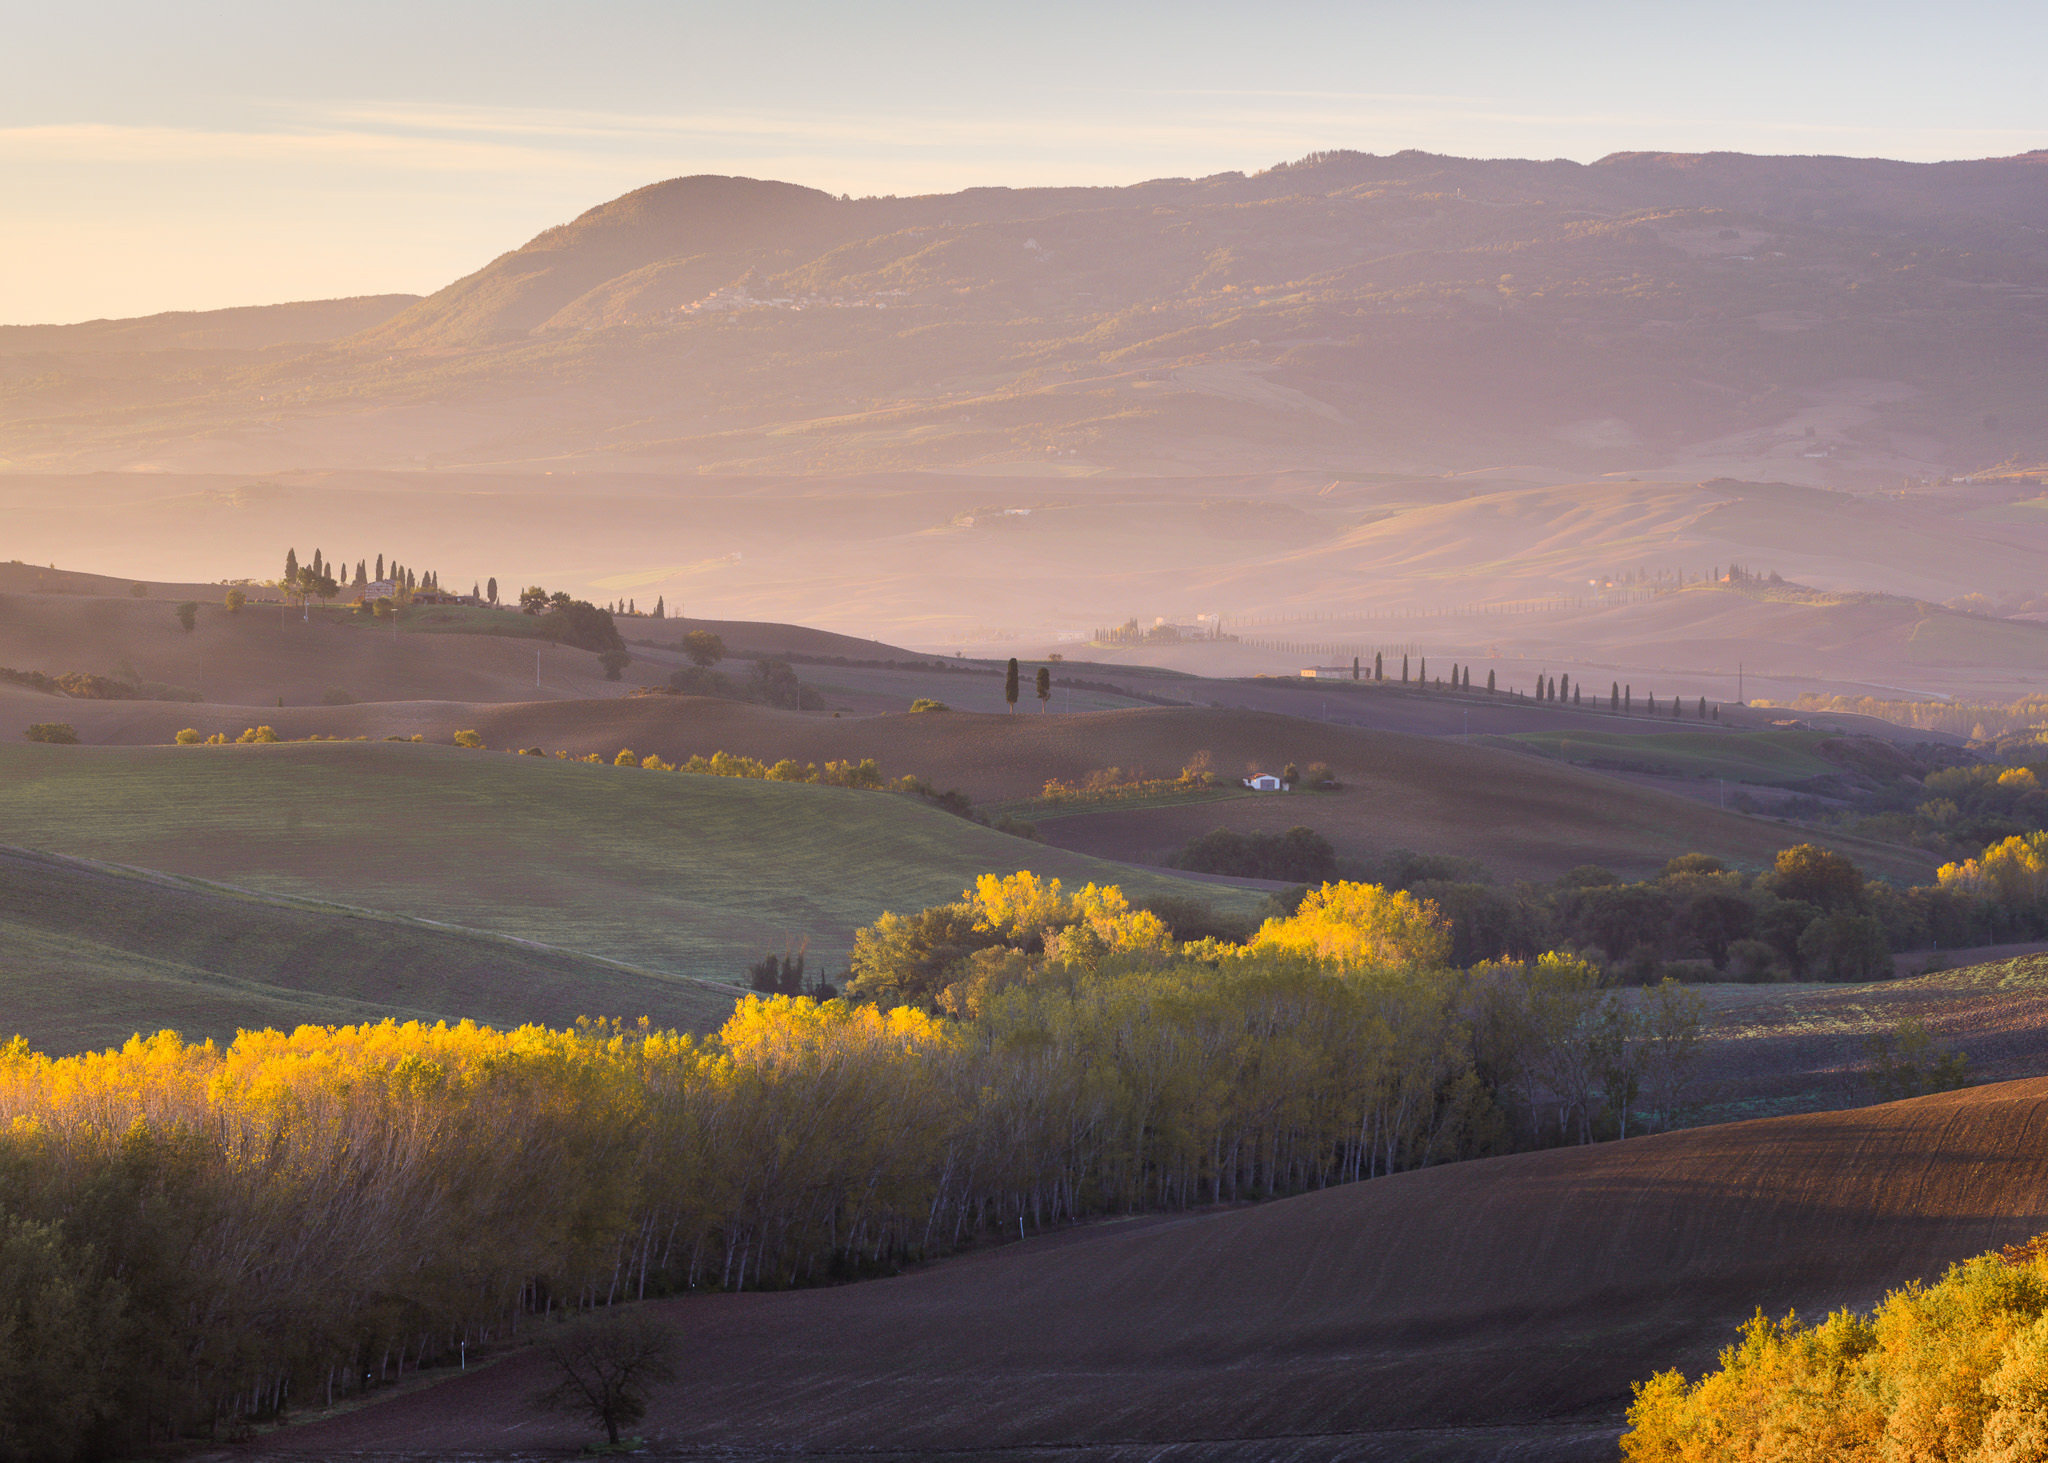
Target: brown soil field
(1802,1048)
(1520,815)
(1484,1310)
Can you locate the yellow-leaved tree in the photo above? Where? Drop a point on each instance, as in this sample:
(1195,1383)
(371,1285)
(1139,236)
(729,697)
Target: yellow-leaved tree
(1362,927)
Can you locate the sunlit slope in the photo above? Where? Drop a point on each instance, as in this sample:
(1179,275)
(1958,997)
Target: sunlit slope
(1475,1311)
(676,874)
(1714,315)
(93,953)
(1521,815)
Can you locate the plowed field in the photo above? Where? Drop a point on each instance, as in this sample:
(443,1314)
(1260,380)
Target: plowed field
(1494,1309)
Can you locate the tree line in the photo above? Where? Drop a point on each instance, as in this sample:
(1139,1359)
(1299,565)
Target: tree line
(192,1235)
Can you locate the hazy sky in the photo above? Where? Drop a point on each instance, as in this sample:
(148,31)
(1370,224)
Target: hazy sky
(158,157)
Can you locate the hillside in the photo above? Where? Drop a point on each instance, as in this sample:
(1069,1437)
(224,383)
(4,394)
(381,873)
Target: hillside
(1344,311)
(1779,1049)
(1521,816)
(689,876)
(94,953)
(1490,1309)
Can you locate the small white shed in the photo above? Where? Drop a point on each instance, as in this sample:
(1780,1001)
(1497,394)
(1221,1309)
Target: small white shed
(1265,782)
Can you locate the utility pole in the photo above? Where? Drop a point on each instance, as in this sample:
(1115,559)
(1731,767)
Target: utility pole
(536,670)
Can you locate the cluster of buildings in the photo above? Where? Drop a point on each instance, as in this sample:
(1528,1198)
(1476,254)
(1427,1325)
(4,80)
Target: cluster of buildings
(735,298)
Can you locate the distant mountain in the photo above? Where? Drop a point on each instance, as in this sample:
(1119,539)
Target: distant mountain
(245,328)
(1829,320)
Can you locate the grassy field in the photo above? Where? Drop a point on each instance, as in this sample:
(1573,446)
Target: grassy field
(681,875)
(1773,758)
(91,953)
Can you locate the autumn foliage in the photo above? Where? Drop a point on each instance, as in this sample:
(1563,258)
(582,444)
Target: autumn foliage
(195,1234)
(1956,1371)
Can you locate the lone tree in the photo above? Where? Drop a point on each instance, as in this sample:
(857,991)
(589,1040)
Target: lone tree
(614,662)
(188,616)
(235,600)
(1010,684)
(1044,690)
(532,600)
(491,590)
(703,648)
(1379,666)
(604,1367)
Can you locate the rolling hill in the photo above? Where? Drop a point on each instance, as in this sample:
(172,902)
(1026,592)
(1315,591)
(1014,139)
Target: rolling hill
(1343,311)
(1482,1310)
(1522,816)
(689,876)
(92,953)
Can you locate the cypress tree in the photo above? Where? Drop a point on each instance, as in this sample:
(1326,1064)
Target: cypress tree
(1354,667)
(1564,688)
(491,590)
(380,566)
(1010,683)
(1490,688)
(660,602)
(1404,667)
(1575,695)
(1379,667)
(1614,697)
(291,565)
(1628,696)
(1703,708)
(1044,688)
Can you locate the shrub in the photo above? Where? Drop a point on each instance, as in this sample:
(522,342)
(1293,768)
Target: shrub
(925,703)
(1298,856)
(235,600)
(189,737)
(188,614)
(255,734)
(625,759)
(60,732)
(704,648)
(1752,960)
(1845,947)
(471,739)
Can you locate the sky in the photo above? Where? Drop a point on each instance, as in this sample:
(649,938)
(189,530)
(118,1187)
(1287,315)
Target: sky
(157,157)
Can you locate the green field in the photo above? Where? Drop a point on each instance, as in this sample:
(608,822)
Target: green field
(91,953)
(1773,758)
(681,875)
